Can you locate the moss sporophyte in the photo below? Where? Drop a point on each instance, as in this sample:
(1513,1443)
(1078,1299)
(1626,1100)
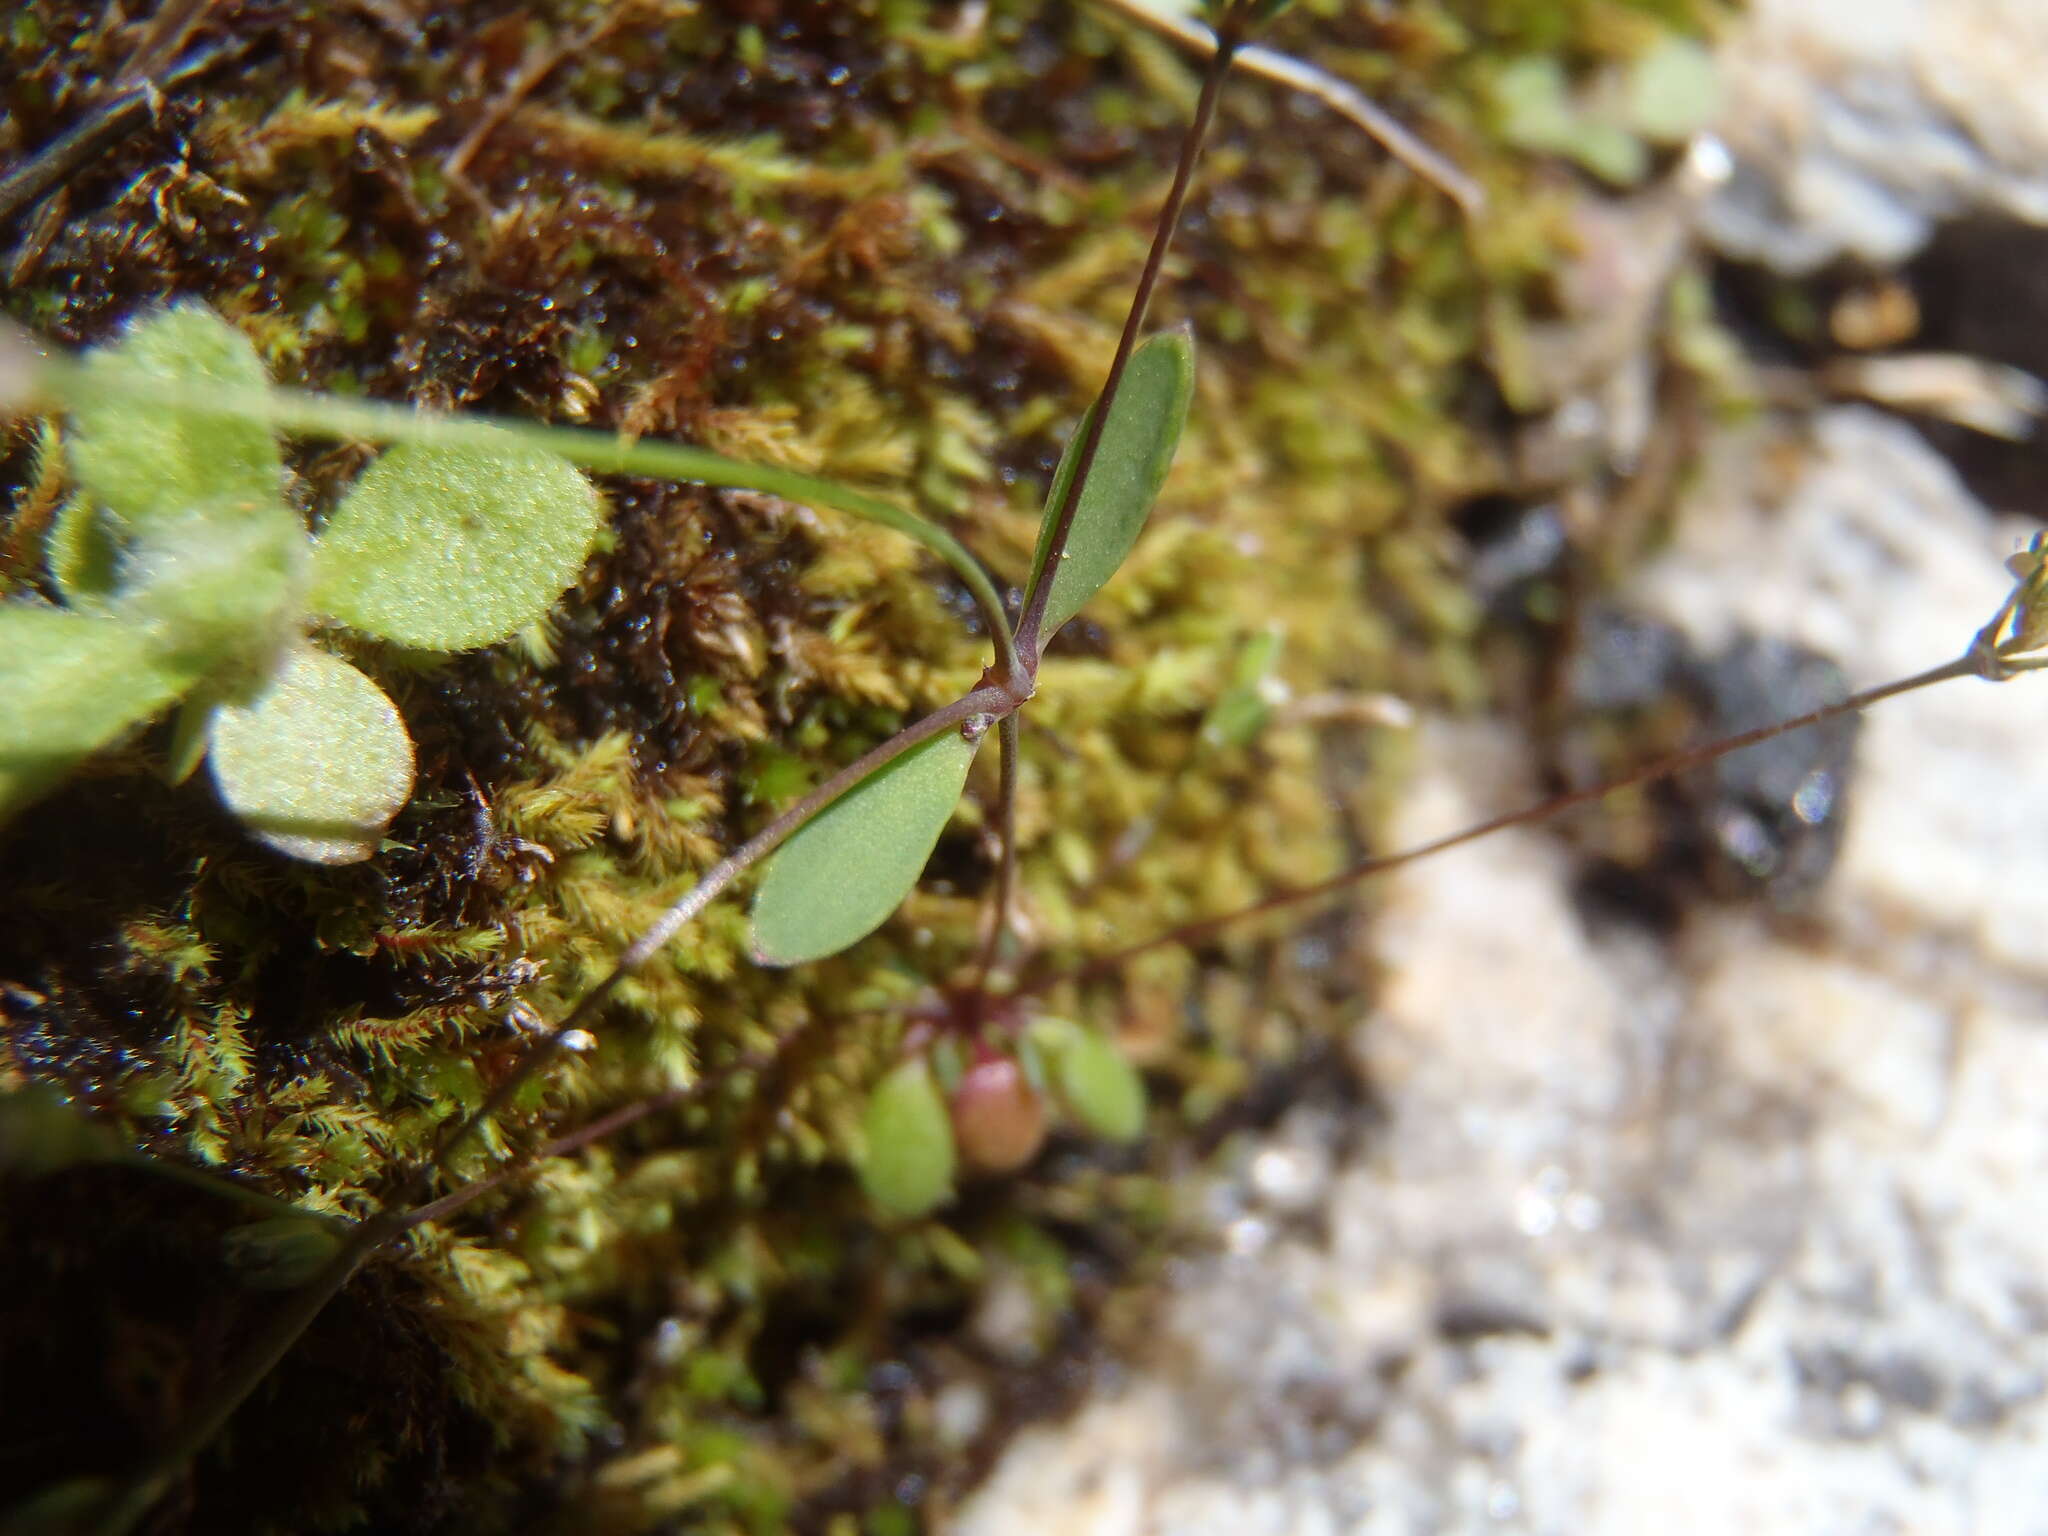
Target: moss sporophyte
(179,578)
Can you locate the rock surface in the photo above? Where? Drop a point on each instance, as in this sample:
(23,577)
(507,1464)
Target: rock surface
(1857,124)
(1743,1230)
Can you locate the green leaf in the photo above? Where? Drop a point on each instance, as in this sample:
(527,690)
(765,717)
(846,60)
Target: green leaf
(224,586)
(42,1131)
(1130,466)
(1094,1080)
(318,765)
(447,548)
(844,871)
(157,462)
(907,1169)
(281,1253)
(70,683)
(1241,710)
(83,553)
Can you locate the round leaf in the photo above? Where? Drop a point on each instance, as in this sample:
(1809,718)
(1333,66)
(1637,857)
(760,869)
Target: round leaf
(844,871)
(1130,466)
(318,765)
(447,548)
(907,1170)
(155,462)
(1099,1087)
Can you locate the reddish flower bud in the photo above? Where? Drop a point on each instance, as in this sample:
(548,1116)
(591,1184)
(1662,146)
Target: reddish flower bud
(998,1117)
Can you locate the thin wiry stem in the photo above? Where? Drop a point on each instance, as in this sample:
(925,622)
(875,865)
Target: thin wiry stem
(1556,805)
(1340,96)
(58,380)
(1228,38)
(1008,740)
(985,702)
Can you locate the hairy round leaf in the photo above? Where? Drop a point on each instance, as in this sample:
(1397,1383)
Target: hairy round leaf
(907,1169)
(157,458)
(318,764)
(70,683)
(447,548)
(844,871)
(1130,466)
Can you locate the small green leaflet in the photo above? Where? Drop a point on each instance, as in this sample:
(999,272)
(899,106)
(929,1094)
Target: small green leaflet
(56,700)
(449,548)
(318,765)
(846,869)
(907,1168)
(1096,1083)
(1130,466)
(155,466)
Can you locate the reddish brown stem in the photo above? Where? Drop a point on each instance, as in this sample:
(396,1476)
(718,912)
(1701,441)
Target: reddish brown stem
(1229,36)
(1556,805)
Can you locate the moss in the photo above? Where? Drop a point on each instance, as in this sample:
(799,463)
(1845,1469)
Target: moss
(887,242)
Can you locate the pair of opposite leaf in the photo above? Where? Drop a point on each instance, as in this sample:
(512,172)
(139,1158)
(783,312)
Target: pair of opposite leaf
(186,577)
(928,1114)
(843,872)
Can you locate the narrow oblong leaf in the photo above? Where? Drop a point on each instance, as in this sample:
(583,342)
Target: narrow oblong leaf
(844,871)
(907,1168)
(1130,466)
(71,683)
(318,764)
(450,547)
(155,462)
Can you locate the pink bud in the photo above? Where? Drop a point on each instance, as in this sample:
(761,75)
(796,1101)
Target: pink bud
(998,1117)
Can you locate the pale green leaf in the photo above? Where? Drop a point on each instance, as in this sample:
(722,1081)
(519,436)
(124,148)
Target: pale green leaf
(1130,466)
(70,684)
(318,764)
(1095,1081)
(907,1168)
(844,871)
(83,553)
(447,548)
(156,460)
(224,586)
(1241,710)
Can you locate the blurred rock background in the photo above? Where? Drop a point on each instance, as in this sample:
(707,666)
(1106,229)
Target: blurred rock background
(1707,1215)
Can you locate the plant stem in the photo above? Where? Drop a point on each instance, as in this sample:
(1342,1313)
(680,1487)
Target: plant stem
(1008,741)
(987,701)
(1228,37)
(227,1188)
(292,1318)
(1663,767)
(61,380)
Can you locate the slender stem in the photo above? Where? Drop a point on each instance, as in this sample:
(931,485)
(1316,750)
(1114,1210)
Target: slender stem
(1340,96)
(63,380)
(294,1315)
(1556,805)
(129,104)
(227,1188)
(984,702)
(1007,741)
(1228,38)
